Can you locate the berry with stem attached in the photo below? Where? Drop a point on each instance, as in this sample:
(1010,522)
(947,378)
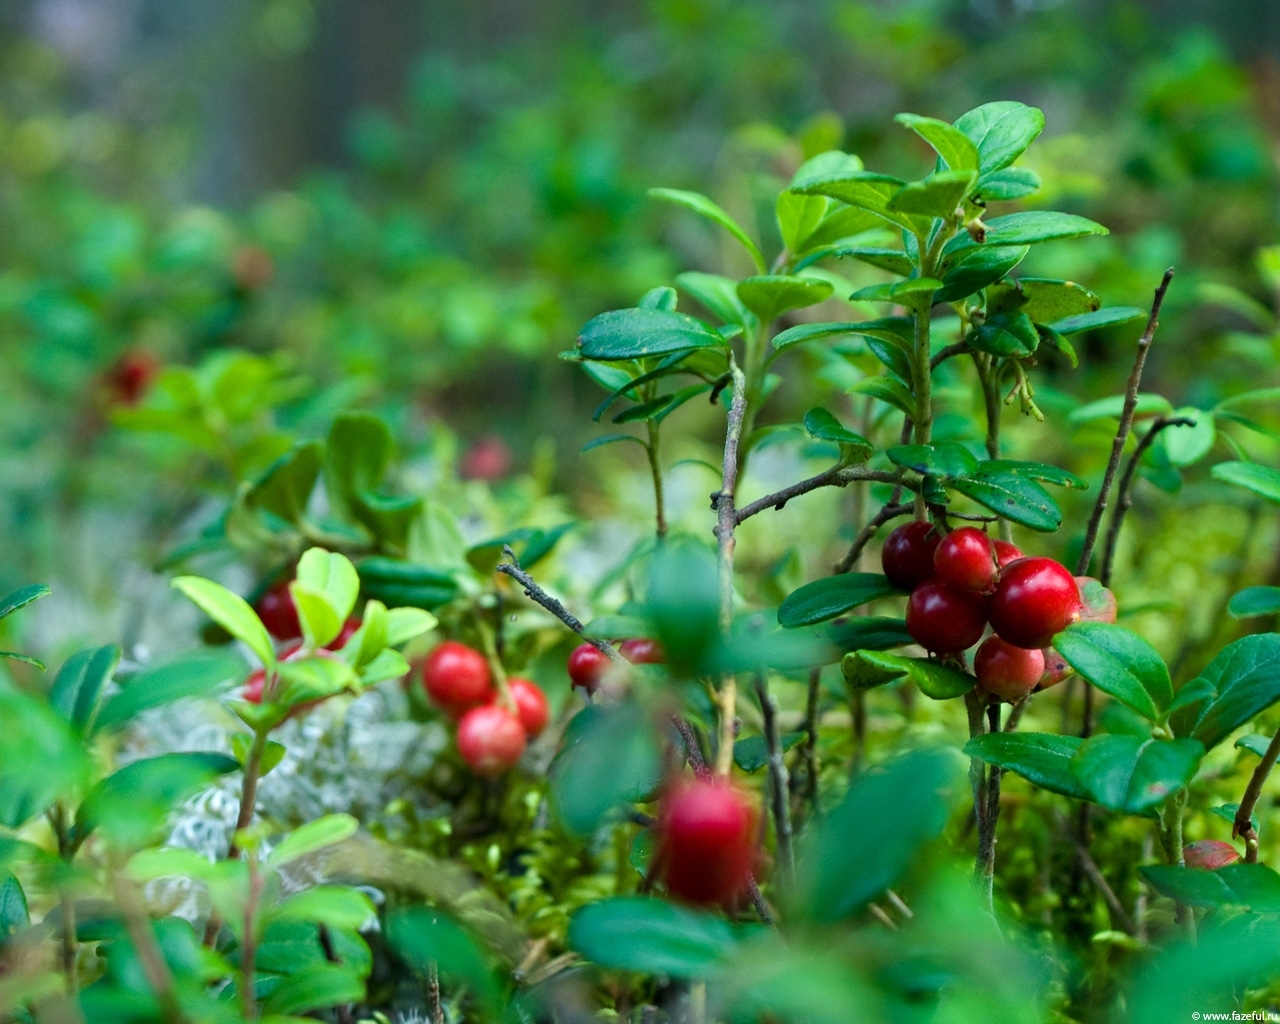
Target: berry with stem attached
(641,650)
(587,666)
(907,555)
(1006,552)
(1035,599)
(944,620)
(966,560)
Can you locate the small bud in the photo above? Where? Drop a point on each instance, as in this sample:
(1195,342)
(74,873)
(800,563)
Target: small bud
(977,230)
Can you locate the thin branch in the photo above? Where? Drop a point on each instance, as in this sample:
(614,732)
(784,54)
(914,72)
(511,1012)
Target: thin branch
(1126,423)
(1124,496)
(778,781)
(956,348)
(655,469)
(1096,876)
(154,966)
(1243,825)
(891,511)
(810,752)
(541,597)
(977,774)
(836,476)
(726,521)
(985,863)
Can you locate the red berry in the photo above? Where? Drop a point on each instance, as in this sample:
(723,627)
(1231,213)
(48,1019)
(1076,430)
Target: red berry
(531,704)
(944,620)
(457,677)
(131,376)
(278,612)
(487,459)
(966,560)
(907,555)
(1004,670)
(346,633)
(587,666)
(490,739)
(1006,552)
(1209,854)
(1097,603)
(706,850)
(254,686)
(640,650)
(1035,599)
(1056,668)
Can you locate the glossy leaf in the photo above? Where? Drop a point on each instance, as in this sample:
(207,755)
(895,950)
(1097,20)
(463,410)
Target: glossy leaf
(1039,757)
(863,189)
(1254,887)
(430,942)
(201,674)
(1252,476)
(1188,445)
(893,260)
(639,933)
(752,752)
(231,612)
(823,426)
(286,486)
(936,196)
(717,293)
(337,906)
(975,269)
(703,206)
(957,150)
(771,295)
(312,837)
(888,390)
(77,690)
(830,596)
(1133,773)
(1118,662)
(1042,299)
(21,597)
(1007,334)
(946,459)
(802,333)
(638,333)
(1029,227)
(1008,183)
(941,682)
(1012,496)
(1240,683)
(1108,317)
(1254,601)
(609,754)
(1001,131)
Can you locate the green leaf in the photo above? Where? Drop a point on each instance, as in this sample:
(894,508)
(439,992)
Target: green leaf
(201,674)
(956,148)
(313,678)
(25,658)
(604,439)
(978,268)
(1188,445)
(1240,683)
(830,596)
(861,674)
(893,260)
(272,754)
(638,333)
(388,664)
(22,597)
(1008,183)
(771,295)
(1118,662)
(1112,408)
(1252,476)
(867,633)
(752,753)
(400,584)
(862,847)
(1254,601)
(717,293)
(313,837)
(683,603)
(823,426)
(1011,495)
(864,190)
(651,936)
(609,754)
(315,988)
(946,459)
(231,612)
(286,486)
(703,206)
(936,196)
(14,915)
(661,297)
(429,942)
(1041,471)
(325,592)
(1254,744)
(357,455)
(889,390)
(941,682)
(1254,887)
(1132,773)
(1028,228)
(77,690)
(1041,758)
(1008,334)
(130,807)
(1001,131)
(1098,318)
(41,758)
(1042,299)
(811,332)
(337,906)
(403,624)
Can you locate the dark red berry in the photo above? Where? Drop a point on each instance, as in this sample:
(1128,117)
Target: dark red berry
(531,704)
(944,620)
(706,841)
(907,555)
(1035,599)
(587,666)
(1056,668)
(131,376)
(966,560)
(1006,552)
(490,739)
(457,677)
(1008,672)
(278,612)
(1097,603)
(1209,854)
(640,650)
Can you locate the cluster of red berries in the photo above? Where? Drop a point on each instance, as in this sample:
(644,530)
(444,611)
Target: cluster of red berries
(491,733)
(588,664)
(962,581)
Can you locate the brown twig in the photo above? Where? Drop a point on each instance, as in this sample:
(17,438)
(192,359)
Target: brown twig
(956,348)
(778,781)
(539,596)
(812,700)
(836,476)
(1124,496)
(890,511)
(1243,825)
(1126,423)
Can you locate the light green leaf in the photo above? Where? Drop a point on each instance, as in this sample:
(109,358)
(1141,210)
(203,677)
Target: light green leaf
(703,206)
(651,936)
(1118,662)
(1001,131)
(956,149)
(1252,476)
(771,295)
(313,837)
(231,612)
(337,906)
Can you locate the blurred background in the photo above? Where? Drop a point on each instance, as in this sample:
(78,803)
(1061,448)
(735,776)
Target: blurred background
(221,223)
